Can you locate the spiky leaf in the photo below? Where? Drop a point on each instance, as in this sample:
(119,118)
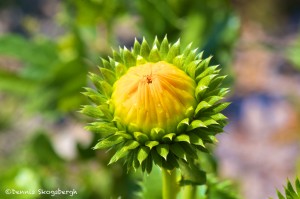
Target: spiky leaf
(163,150)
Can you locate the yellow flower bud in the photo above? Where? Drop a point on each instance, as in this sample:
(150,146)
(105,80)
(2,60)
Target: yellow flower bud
(153,95)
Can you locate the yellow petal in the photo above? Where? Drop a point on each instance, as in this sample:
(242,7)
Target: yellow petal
(153,95)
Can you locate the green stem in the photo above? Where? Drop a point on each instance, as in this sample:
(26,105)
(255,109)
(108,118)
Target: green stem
(189,191)
(170,187)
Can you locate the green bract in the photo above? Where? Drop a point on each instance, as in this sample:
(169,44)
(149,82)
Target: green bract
(156,128)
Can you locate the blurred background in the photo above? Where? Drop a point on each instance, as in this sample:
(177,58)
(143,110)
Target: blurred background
(47,47)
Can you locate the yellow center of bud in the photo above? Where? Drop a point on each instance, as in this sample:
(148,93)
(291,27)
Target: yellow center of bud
(153,95)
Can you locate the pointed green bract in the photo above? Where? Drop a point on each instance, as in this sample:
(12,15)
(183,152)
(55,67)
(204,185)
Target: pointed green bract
(163,150)
(168,137)
(154,55)
(195,107)
(177,149)
(290,191)
(151,144)
(145,49)
(182,138)
(109,142)
(143,154)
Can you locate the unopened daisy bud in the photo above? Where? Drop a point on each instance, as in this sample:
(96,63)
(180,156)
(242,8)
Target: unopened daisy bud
(154,104)
(153,95)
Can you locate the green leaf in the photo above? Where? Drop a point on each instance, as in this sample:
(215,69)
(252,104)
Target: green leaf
(212,139)
(156,42)
(215,83)
(196,124)
(182,138)
(94,96)
(143,154)
(105,64)
(289,190)
(187,50)
(96,81)
(220,107)
(168,137)
(178,61)
(140,137)
(103,128)
(136,164)
(208,121)
(112,63)
(136,47)
(210,70)
(120,69)
(214,129)
(200,90)
(140,60)
(154,54)
(218,91)
(200,69)
(196,140)
(173,52)
(280,196)
(189,112)
(191,174)
(108,75)
(130,160)
(109,142)
(107,88)
(157,158)
(207,61)
(223,92)
(118,155)
(171,163)
(92,111)
(105,110)
(189,150)
(143,166)
(200,55)
(178,150)
(124,134)
(118,123)
(203,105)
(207,79)
(213,99)
(163,150)
(164,48)
(117,57)
(182,125)
(190,57)
(191,68)
(297,185)
(149,164)
(219,116)
(157,133)
(145,49)
(129,145)
(151,144)
(128,58)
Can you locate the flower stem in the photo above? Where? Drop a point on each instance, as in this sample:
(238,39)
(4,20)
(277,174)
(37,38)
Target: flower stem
(189,192)
(170,188)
